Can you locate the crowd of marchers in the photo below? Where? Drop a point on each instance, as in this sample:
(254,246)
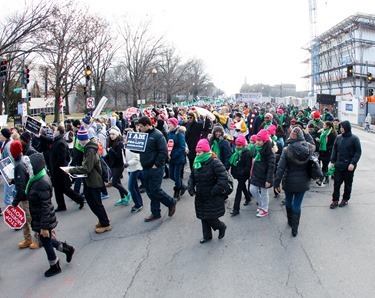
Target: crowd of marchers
(265,148)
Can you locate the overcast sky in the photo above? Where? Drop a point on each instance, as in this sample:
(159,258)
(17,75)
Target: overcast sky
(259,41)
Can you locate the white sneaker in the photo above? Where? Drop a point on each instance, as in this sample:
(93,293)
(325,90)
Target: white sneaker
(262,213)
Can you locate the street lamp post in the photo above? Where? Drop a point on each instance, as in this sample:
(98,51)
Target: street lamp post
(154,72)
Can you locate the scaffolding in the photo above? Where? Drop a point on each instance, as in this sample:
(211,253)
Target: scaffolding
(350,42)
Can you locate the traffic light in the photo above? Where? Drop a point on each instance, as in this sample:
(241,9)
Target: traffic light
(88,72)
(3,67)
(369,77)
(29,96)
(370,92)
(349,71)
(26,77)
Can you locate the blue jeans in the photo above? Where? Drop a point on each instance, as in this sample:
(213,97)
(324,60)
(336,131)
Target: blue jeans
(153,179)
(175,173)
(48,244)
(293,200)
(133,188)
(8,194)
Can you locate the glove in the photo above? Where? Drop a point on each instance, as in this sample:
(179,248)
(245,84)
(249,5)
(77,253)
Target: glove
(238,130)
(126,165)
(14,204)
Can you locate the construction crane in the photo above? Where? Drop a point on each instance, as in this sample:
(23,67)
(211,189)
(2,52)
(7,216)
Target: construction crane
(314,45)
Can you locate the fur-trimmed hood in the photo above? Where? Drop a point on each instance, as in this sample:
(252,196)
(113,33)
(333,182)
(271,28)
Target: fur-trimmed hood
(300,152)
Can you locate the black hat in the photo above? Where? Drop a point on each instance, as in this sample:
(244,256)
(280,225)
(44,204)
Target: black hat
(26,137)
(6,133)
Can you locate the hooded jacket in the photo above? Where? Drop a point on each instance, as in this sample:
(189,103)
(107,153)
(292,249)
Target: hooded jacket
(346,149)
(39,196)
(90,166)
(292,166)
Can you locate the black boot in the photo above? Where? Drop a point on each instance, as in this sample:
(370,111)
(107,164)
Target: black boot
(289,214)
(53,270)
(176,194)
(183,189)
(68,250)
(295,223)
(326,180)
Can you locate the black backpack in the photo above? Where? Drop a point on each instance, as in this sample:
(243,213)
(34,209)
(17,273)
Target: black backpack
(313,168)
(106,171)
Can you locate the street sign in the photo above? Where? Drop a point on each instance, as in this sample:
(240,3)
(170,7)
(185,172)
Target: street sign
(90,103)
(14,217)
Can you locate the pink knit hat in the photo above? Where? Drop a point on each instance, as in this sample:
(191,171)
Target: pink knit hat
(272,129)
(173,121)
(253,139)
(268,115)
(203,145)
(241,141)
(280,111)
(263,135)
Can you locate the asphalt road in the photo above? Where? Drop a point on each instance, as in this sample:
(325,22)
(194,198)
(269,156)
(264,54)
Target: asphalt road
(332,256)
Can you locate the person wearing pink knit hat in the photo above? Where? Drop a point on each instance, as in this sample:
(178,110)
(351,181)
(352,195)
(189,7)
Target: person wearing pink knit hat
(176,155)
(262,171)
(208,182)
(240,162)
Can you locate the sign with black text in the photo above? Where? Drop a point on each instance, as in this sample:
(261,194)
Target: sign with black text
(32,125)
(136,141)
(7,169)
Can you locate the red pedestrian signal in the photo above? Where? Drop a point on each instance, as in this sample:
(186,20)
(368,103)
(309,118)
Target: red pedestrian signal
(26,77)
(3,67)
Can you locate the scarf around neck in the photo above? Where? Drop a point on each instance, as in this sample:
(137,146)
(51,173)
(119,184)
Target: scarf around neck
(258,157)
(35,178)
(323,139)
(234,158)
(215,148)
(199,159)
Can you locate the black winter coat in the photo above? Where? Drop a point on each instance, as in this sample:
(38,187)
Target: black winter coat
(60,157)
(209,184)
(20,179)
(346,149)
(263,170)
(40,193)
(292,167)
(114,156)
(242,170)
(194,131)
(326,155)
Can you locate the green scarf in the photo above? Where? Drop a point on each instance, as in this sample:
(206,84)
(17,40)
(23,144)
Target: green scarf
(323,139)
(274,138)
(201,158)
(35,178)
(215,148)
(258,157)
(233,160)
(267,124)
(281,118)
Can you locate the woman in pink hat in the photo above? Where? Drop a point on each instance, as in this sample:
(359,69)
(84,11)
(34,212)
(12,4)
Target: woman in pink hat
(208,183)
(262,171)
(240,162)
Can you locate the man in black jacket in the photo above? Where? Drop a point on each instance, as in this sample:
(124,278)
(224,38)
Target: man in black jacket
(346,153)
(153,161)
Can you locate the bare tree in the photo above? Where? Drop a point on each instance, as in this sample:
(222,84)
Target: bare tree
(17,42)
(197,78)
(69,29)
(140,51)
(118,85)
(98,54)
(172,73)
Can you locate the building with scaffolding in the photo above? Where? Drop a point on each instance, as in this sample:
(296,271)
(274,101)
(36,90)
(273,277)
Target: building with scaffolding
(350,43)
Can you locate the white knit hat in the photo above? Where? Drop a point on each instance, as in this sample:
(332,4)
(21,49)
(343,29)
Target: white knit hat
(114,130)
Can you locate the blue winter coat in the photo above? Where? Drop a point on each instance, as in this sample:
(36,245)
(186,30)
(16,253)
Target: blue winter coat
(178,154)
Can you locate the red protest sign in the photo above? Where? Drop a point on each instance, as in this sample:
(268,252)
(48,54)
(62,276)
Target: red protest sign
(14,217)
(170,146)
